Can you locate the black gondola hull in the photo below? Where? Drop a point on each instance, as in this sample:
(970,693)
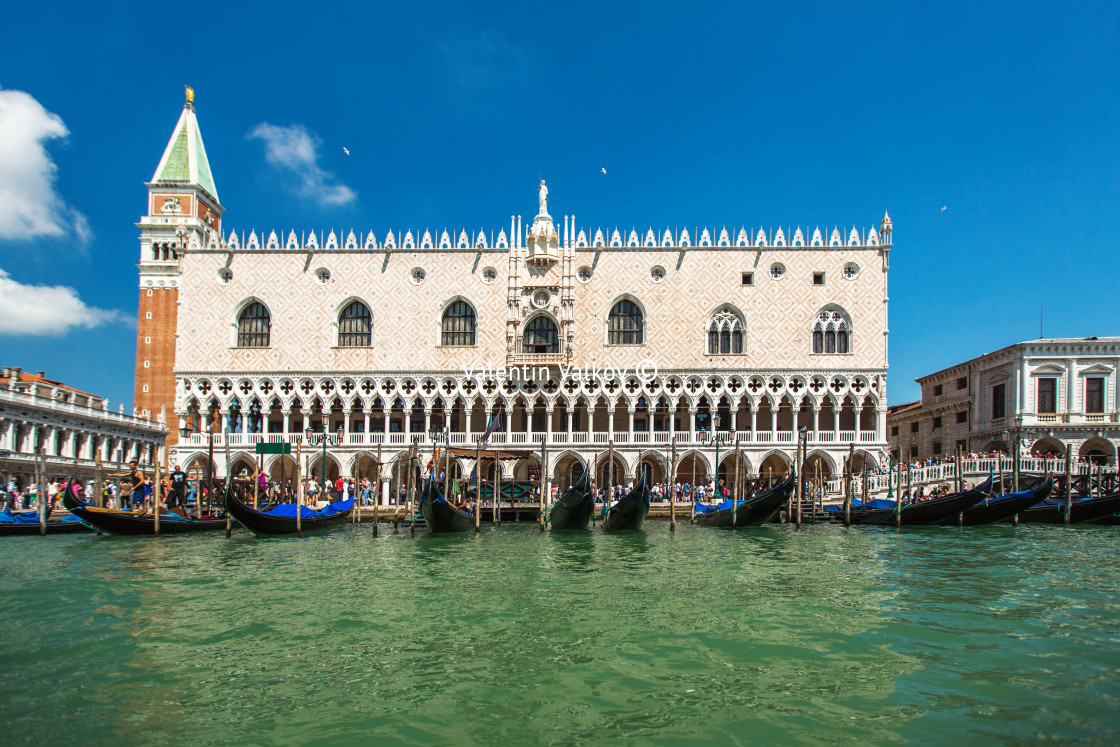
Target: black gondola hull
(1080,511)
(128,523)
(572,511)
(442,517)
(1002,509)
(259,522)
(53,527)
(752,511)
(628,513)
(926,513)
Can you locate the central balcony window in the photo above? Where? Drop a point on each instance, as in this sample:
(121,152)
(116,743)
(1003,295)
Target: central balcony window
(541,336)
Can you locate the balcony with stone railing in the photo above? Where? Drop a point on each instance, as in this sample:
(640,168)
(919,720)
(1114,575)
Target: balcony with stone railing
(648,439)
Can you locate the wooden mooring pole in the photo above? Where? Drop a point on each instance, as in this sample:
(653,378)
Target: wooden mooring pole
(376,490)
(692,492)
(1069,483)
(735,486)
(299,488)
(672,484)
(477,484)
(543,485)
(497,489)
(157,489)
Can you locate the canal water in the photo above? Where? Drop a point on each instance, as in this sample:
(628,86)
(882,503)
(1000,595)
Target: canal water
(770,634)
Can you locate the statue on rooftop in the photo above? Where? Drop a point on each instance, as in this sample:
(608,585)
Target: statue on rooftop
(543,198)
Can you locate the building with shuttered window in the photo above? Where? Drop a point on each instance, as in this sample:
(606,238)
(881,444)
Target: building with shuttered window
(1040,396)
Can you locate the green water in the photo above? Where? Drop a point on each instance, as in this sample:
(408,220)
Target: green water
(511,637)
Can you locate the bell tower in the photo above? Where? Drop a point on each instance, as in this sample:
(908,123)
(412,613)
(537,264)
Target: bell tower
(183,211)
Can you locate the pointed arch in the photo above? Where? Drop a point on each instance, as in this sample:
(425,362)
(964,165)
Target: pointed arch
(626,321)
(832,331)
(354,319)
(541,334)
(727,331)
(252,324)
(458,323)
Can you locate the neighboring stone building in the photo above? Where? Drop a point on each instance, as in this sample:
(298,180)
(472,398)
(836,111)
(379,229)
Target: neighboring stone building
(1043,393)
(68,427)
(381,337)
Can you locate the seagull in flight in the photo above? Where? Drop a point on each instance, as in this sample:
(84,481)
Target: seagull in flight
(944,208)
(604,171)
(346,150)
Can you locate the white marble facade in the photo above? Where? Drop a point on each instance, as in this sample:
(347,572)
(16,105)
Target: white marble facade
(541,298)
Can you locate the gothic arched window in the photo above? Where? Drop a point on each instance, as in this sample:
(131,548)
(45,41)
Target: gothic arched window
(458,325)
(832,332)
(254,326)
(725,333)
(541,336)
(355,326)
(625,324)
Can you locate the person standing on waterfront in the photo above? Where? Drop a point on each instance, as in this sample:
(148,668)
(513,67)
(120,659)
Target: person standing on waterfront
(139,489)
(179,487)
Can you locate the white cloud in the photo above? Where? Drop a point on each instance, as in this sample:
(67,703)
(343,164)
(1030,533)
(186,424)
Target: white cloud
(30,207)
(294,149)
(47,309)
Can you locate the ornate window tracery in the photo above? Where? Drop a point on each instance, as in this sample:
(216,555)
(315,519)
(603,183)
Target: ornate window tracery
(355,326)
(625,325)
(458,325)
(725,333)
(832,332)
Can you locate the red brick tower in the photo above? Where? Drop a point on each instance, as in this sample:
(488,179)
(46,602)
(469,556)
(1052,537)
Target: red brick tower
(183,210)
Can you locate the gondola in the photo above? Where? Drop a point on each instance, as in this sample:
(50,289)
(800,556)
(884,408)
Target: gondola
(630,511)
(281,519)
(1053,510)
(574,509)
(115,521)
(752,511)
(1002,507)
(925,512)
(440,515)
(26,523)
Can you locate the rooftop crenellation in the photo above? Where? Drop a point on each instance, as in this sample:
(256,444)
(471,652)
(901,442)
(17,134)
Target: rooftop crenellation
(581,238)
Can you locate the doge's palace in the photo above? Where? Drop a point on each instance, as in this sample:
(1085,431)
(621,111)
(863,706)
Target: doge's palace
(685,339)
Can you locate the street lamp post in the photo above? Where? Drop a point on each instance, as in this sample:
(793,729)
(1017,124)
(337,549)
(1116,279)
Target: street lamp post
(715,477)
(314,438)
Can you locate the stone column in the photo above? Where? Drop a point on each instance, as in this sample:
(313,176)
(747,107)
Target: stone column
(427,419)
(816,422)
(610,423)
(754,418)
(630,411)
(285,427)
(672,421)
(836,420)
(548,423)
(365,422)
(447,423)
(692,424)
(467,412)
(509,422)
(385,491)
(571,418)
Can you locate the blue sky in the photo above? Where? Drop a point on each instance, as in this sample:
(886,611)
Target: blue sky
(819,113)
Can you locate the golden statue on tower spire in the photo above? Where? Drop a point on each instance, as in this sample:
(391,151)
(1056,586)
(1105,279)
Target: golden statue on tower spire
(190,95)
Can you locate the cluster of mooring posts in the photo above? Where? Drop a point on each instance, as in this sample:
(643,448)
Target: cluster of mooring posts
(1064,498)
